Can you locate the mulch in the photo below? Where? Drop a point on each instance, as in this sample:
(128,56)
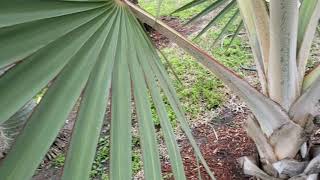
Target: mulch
(160,40)
(221,153)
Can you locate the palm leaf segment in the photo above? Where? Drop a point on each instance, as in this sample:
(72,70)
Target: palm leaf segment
(223,7)
(87,51)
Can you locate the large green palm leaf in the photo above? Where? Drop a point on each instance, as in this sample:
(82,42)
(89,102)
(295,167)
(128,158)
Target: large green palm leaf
(85,51)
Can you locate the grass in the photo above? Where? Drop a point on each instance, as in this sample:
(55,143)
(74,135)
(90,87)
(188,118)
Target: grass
(59,160)
(102,158)
(168,6)
(199,90)
(100,164)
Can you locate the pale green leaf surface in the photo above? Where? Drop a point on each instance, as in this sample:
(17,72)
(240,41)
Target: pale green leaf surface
(173,149)
(80,47)
(20,41)
(120,154)
(47,119)
(149,146)
(92,110)
(16,12)
(32,74)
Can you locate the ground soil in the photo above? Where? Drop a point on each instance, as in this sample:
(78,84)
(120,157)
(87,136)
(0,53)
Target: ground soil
(221,145)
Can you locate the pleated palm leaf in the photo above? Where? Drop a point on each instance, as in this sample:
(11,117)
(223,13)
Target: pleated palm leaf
(281,34)
(87,51)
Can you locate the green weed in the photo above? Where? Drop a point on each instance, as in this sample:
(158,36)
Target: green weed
(168,6)
(59,160)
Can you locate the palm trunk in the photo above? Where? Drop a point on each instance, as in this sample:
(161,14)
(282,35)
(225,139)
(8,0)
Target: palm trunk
(12,127)
(287,152)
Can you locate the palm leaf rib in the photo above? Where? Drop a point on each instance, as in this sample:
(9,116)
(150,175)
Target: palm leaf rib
(150,79)
(239,85)
(120,159)
(94,101)
(173,148)
(146,127)
(92,51)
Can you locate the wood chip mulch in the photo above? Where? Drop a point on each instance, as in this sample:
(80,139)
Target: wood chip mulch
(221,154)
(160,40)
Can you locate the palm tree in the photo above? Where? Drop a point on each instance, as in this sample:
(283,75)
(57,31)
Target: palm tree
(97,49)
(281,35)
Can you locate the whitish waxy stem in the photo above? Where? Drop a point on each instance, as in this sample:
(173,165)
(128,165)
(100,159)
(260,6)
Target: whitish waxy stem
(282,67)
